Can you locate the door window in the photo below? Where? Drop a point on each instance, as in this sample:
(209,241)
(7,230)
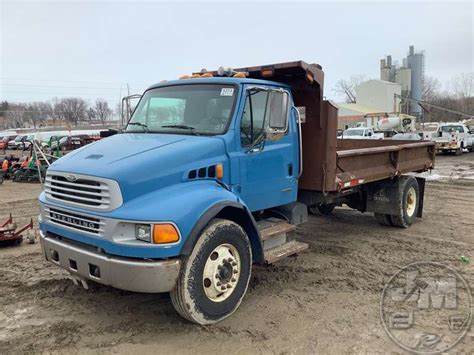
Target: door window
(253,120)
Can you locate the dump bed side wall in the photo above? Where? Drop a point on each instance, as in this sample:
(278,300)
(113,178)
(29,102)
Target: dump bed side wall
(367,160)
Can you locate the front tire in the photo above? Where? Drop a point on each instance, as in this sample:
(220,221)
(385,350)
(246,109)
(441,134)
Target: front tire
(215,276)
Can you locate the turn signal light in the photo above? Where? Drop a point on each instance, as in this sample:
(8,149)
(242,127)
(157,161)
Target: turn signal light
(220,171)
(165,233)
(266,72)
(240,74)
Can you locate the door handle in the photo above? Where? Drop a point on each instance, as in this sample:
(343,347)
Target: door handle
(290,169)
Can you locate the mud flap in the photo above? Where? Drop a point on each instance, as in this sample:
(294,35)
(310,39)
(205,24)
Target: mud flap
(421,185)
(383,197)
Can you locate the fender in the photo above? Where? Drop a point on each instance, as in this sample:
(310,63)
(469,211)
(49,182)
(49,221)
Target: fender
(235,212)
(190,205)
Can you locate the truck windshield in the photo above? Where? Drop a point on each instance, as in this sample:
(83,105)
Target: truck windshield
(452,129)
(184,109)
(353,132)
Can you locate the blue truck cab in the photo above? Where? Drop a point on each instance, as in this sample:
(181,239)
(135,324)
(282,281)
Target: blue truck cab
(206,180)
(199,158)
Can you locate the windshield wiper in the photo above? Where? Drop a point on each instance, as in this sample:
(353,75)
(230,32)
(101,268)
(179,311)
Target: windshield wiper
(182,126)
(179,126)
(144,126)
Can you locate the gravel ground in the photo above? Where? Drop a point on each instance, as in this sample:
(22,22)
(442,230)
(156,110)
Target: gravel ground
(324,300)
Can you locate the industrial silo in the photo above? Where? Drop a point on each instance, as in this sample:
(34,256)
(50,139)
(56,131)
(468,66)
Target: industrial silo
(416,62)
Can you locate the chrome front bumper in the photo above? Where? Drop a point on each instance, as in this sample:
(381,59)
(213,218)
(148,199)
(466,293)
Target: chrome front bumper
(126,274)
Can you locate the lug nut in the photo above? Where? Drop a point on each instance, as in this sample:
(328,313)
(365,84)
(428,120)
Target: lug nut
(219,267)
(218,284)
(229,286)
(233,280)
(234,264)
(235,271)
(223,288)
(229,260)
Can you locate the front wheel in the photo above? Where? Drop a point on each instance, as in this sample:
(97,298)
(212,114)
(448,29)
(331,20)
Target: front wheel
(215,276)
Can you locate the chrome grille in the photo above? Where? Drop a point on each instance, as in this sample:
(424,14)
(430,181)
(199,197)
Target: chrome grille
(75,221)
(83,191)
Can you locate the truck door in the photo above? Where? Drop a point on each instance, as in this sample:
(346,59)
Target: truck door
(268,163)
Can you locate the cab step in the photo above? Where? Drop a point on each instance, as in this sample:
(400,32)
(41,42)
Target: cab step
(274,254)
(276,234)
(273,227)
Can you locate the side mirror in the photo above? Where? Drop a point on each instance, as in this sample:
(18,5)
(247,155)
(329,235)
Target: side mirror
(369,134)
(277,111)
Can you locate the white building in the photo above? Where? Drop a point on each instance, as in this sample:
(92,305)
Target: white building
(376,100)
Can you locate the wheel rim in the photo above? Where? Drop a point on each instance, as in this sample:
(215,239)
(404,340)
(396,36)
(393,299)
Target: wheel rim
(411,201)
(221,272)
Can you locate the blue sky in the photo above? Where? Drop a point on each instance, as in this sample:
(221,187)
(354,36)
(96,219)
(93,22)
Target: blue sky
(93,48)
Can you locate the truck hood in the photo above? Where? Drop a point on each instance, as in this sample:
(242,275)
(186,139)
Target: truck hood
(143,162)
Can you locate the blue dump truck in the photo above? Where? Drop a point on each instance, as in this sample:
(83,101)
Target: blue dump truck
(212,174)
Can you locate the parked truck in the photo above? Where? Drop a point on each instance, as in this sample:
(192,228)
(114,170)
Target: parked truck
(454,137)
(361,133)
(211,175)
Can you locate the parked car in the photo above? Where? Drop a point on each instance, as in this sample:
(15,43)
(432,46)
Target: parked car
(387,133)
(407,137)
(4,141)
(17,142)
(71,142)
(361,133)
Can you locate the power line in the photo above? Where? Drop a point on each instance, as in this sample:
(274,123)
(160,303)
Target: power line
(75,81)
(58,93)
(62,86)
(425,103)
(62,81)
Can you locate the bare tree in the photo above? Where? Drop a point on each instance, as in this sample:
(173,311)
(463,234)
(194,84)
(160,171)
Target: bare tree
(431,88)
(16,115)
(72,109)
(463,85)
(91,114)
(38,112)
(348,87)
(102,110)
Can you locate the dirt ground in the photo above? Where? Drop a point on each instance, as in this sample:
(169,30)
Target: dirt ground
(324,300)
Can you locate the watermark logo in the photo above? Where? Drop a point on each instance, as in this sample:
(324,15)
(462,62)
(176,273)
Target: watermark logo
(426,308)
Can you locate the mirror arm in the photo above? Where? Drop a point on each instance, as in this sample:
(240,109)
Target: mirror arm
(251,116)
(300,138)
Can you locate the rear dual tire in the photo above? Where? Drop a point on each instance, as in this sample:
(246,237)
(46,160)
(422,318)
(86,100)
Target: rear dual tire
(407,204)
(215,276)
(324,209)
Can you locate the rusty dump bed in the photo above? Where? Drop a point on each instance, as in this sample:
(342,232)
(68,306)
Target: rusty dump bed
(331,164)
(361,161)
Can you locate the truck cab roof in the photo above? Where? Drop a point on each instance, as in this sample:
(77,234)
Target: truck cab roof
(218,80)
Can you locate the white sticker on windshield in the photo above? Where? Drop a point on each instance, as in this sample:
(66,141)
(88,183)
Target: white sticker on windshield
(227,91)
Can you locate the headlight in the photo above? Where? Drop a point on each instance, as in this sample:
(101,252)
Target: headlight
(143,232)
